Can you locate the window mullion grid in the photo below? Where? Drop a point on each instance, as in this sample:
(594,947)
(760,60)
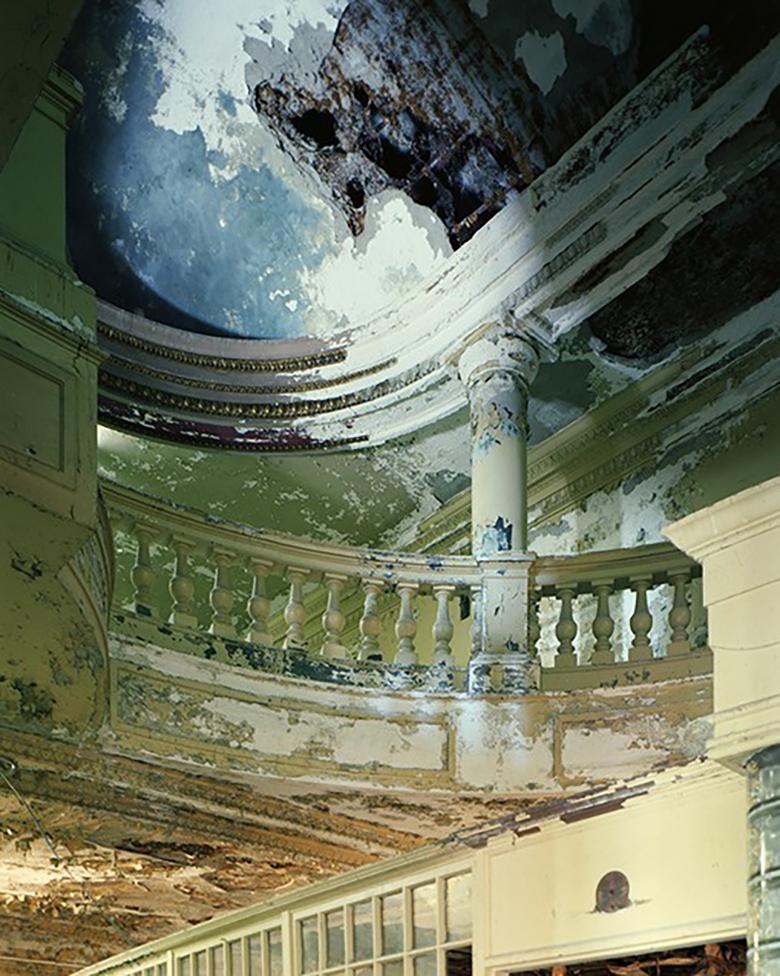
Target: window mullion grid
(377,932)
(408,931)
(349,940)
(265,953)
(322,961)
(441,925)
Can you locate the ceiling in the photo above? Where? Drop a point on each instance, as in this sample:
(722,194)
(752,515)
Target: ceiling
(213,187)
(259,169)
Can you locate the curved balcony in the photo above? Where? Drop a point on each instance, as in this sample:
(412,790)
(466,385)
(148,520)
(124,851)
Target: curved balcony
(372,618)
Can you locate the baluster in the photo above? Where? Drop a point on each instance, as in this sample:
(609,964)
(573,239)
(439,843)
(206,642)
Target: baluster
(603,627)
(566,629)
(534,628)
(679,615)
(442,625)
(333,619)
(476,620)
(406,625)
(641,622)
(258,605)
(182,586)
(143,575)
(221,596)
(370,622)
(295,611)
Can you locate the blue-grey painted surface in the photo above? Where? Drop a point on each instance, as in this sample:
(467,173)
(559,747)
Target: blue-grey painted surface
(158,221)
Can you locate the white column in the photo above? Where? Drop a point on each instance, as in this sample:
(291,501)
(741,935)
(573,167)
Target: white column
(737,541)
(497,369)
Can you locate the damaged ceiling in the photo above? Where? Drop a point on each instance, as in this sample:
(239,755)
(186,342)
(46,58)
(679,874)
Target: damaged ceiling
(134,851)
(231,170)
(203,194)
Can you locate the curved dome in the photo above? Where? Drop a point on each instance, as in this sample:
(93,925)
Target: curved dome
(182,206)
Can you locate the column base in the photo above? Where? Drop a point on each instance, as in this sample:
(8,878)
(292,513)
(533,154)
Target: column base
(503,673)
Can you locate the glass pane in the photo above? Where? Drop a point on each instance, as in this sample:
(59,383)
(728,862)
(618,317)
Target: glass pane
(310,948)
(199,969)
(275,952)
(393,967)
(425,964)
(334,937)
(218,961)
(458,899)
(392,908)
(424,915)
(363,930)
(234,955)
(362,971)
(255,956)
(184,967)
(162,969)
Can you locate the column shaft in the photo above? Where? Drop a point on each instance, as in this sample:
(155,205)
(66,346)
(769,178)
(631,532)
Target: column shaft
(763,918)
(497,369)
(499,518)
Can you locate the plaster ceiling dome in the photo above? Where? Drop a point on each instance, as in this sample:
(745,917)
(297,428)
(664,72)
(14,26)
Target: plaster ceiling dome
(281,206)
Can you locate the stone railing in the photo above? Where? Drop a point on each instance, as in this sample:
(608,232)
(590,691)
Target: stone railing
(626,607)
(600,618)
(246,559)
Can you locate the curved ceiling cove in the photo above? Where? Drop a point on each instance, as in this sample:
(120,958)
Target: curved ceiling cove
(293,213)
(182,206)
(260,169)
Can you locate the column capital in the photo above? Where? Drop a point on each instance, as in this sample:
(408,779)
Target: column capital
(500,347)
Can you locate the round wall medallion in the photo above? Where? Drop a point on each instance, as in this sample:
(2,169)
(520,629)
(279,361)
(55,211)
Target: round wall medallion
(612,892)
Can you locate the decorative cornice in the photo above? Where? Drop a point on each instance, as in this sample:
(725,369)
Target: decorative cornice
(126,417)
(741,731)
(224,363)
(195,382)
(729,522)
(284,410)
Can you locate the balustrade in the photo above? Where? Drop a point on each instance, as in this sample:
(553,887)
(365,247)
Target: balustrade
(370,622)
(333,620)
(222,597)
(182,586)
(406,627)
(589,611)
(143,574)
(642,607)
(295,611)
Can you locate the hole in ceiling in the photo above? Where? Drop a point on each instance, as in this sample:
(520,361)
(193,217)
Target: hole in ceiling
(318,126)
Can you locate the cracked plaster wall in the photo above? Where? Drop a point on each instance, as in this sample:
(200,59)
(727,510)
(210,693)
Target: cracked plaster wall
(168,704)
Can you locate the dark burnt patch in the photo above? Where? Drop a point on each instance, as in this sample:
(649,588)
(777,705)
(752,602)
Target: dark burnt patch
(426,97)
(721,267)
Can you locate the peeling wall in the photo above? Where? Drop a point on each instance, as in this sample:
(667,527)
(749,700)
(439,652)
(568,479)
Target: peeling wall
(181,707)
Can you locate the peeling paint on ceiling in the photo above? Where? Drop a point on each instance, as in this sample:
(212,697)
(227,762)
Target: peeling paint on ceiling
(181,204)
(225,156)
